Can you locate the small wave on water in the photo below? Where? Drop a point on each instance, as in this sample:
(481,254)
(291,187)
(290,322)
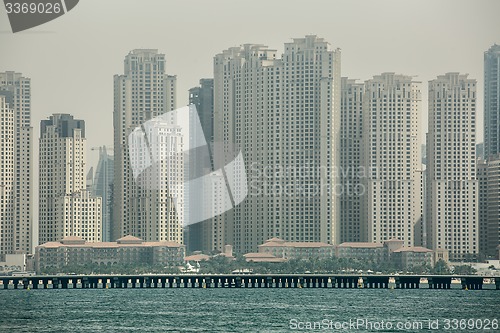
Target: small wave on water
(233,310)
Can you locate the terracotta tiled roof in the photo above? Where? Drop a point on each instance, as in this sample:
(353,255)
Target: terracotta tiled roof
(266,259)
(98,245)
(163,243)
(307,244)
(361,245)
(272,244)
(258,255)
(129,239)
(262,257)
(295,244)
(412,249)
(51,244)
(103,245)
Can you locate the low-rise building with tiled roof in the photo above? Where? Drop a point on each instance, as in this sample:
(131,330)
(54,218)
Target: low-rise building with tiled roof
(75,251)
(407,257)
(361,251)
(288,250)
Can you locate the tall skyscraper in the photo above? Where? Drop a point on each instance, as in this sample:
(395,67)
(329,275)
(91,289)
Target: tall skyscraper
(142,93)
(7,176)
(351,139)
(492,101)
(17,91)
(420,236)
(284,115)
(205,235)
(391,204)
(451,163)
(482,210)
(480,150)
(491,220)
(203,98)
(66,206)
(493,206)
(102,186)
(488,175)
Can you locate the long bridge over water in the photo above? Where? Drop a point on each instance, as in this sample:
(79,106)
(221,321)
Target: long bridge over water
(353,281)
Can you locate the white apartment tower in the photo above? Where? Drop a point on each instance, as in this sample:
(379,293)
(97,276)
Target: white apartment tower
(284,116)
(7,175)
(391,204)
(66,206)
(142,93)
(452,185)
(18,235)
(351,136)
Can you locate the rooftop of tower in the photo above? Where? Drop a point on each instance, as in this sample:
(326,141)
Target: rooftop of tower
(391,77)
(453,77)
(308,40)
(264,52)
(143,51)
(495,48)
(65,124)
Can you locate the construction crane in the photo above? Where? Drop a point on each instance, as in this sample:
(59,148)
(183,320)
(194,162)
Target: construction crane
(100,147)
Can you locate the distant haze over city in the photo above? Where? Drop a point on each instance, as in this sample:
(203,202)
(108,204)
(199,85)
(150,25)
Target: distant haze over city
(71,61)
(341,158)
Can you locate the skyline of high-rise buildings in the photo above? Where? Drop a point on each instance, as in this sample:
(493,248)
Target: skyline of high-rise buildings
(295,120)
(66,206)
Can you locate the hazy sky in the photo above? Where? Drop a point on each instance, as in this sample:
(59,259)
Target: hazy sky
(72,59)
